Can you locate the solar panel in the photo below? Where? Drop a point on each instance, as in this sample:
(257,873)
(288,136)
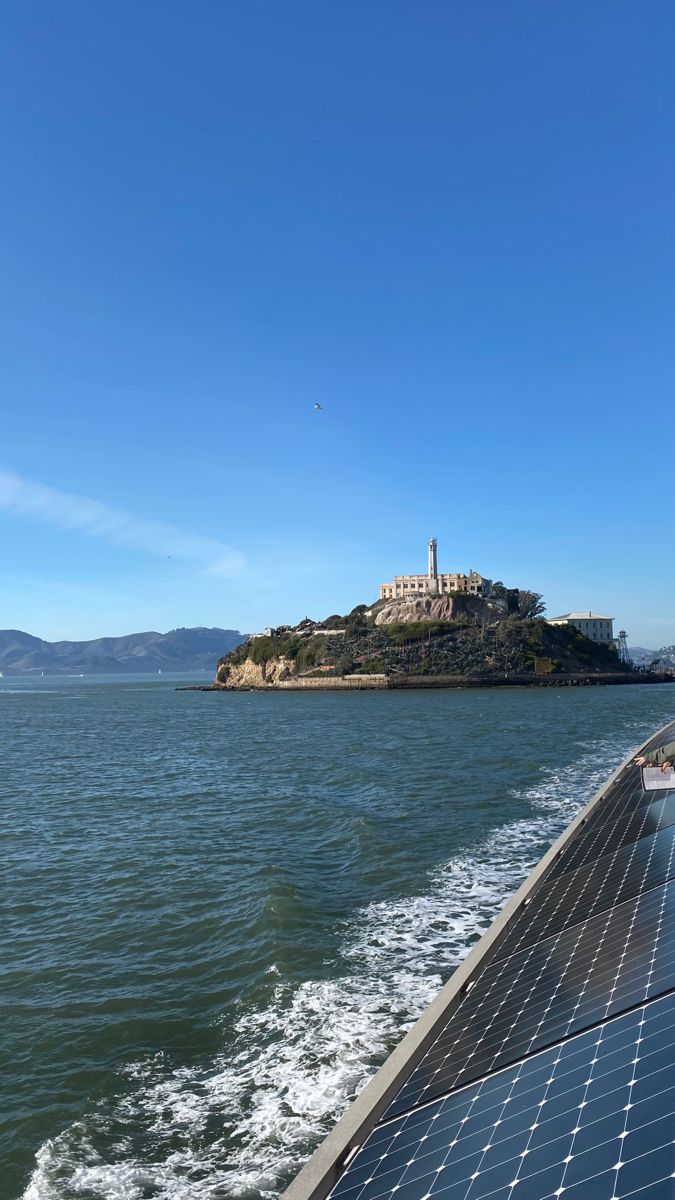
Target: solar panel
(627,793)
(591,1118)
(598,885)
(559,986)
(626,796)
(599,839)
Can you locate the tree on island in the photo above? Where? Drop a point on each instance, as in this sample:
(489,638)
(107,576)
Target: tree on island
(530,604)
(520,601)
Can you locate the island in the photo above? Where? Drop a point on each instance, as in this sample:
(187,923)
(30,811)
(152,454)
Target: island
(437,629)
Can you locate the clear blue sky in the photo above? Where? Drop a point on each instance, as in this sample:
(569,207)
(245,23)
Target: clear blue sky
(449,224)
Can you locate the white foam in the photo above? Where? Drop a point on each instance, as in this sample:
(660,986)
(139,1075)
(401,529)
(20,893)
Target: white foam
(300,1059)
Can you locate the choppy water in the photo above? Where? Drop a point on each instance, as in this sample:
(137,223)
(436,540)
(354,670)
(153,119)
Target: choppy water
(225,909)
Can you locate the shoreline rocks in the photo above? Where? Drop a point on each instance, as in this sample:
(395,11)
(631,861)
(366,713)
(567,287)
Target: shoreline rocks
(349,683)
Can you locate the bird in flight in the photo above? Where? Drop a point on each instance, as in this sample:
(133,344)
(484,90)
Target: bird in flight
(319,407)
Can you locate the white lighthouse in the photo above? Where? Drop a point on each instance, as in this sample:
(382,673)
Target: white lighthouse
(433,566)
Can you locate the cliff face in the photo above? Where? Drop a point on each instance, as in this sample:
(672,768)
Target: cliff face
(440,608)
(249,674)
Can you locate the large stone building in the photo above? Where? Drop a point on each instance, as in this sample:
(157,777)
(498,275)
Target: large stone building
(433,584)
(592,625)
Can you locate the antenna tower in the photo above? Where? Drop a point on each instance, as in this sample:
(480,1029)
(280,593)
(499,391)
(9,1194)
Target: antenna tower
(624,656)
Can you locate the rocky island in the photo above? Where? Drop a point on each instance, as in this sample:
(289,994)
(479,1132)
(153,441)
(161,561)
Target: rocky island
(426,641)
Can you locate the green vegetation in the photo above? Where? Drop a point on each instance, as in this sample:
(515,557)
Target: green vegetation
(334,622)
(588,652)
(401,635)
(373,666)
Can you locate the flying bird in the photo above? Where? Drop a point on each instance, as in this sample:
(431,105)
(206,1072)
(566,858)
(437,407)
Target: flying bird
(319,407)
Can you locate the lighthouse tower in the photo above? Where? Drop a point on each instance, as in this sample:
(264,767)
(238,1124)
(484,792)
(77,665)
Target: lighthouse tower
(433,566)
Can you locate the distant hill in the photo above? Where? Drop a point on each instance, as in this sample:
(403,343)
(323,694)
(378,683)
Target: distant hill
(666,656)
(178,650)
(642,657)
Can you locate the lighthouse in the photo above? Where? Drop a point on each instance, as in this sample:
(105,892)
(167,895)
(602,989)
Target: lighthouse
(433,566)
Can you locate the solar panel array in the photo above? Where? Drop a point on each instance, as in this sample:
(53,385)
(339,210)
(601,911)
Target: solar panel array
(554,1072)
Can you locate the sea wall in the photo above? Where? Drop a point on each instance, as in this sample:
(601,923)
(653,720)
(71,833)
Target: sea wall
(257,678)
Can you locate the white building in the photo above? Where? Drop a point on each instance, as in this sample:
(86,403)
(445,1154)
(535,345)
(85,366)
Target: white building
(592,625)
(433,584)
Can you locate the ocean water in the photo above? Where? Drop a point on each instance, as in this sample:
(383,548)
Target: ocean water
(222,911)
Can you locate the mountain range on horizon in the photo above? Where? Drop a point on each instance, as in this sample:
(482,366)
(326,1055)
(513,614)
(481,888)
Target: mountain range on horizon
(196,649)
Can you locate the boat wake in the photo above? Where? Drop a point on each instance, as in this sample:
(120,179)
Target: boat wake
(241,1125)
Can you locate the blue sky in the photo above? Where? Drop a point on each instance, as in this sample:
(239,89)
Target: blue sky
(451,225)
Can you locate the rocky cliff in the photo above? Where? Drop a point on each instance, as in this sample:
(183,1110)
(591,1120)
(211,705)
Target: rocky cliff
(249,674)
(439,608)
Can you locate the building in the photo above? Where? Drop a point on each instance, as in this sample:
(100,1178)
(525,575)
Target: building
(592,625)
(433,584)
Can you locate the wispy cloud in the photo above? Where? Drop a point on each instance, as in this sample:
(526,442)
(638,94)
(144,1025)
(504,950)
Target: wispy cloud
(68,511)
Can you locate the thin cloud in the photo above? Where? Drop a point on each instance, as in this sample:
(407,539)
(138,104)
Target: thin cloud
(68,511)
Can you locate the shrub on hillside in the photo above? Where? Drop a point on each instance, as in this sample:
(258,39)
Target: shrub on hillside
(418,631)
(334,622)
(374,666)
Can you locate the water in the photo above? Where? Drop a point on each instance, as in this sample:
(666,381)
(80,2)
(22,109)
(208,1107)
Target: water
(225,909)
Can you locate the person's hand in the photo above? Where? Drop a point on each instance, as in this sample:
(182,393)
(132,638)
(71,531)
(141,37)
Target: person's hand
(640,761)
(666,766)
